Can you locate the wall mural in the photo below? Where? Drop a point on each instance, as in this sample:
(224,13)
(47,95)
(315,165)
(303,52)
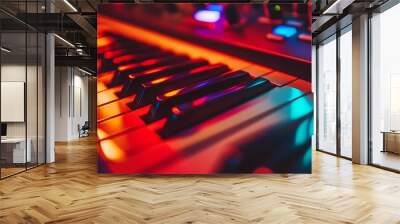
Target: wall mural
(204,88)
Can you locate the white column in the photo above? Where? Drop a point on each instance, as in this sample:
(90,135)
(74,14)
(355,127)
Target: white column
(360,90)
(50,93)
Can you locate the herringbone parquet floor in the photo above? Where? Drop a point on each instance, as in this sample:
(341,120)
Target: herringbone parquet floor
(70,191)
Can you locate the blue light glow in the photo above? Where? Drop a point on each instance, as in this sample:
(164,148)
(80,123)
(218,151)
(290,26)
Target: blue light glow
(215,7)
(285,31)
(307,158)
(304,132)
(300,108)
(207,16)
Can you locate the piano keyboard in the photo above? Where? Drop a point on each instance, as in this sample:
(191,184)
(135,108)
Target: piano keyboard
(167,106)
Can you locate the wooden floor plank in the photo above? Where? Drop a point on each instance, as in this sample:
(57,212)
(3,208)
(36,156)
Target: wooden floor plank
(70,191)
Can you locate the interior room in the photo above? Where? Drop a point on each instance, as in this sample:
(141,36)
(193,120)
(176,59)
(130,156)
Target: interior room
(334,92)
(28,56)
(58,116)
(72,107)
(22,102)
(385,123)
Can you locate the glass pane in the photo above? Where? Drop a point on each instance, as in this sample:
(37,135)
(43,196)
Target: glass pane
(327,96)
(31,97)
(31,83)
(13,86)
(23,82)
(41,98)
(385,84)
(346,94)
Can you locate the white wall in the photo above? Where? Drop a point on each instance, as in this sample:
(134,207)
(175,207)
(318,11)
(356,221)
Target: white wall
(81,100)
(71,94)
(33,127)
(61,103)
(12,73)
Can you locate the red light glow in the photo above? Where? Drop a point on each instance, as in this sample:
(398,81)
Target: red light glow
(112,54)
(123,58)
(263,170)
(199,101)
(176,110)
(149,62)
(274,37)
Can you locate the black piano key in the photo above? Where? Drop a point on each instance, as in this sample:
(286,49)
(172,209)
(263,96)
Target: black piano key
(138,57)
(112,64)
(104,65)
(119,51)
(110,58)
(188,114)
(232,14)
(125,70)
(149,90)
(135,80)
(164,102)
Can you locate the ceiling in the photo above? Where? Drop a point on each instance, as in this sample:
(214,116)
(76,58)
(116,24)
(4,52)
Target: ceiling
(332,15)
(22,21)
(75,21)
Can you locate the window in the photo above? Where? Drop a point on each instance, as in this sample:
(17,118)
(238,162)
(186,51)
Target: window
(327,96)
(385,89)
(22,77)
(346,92)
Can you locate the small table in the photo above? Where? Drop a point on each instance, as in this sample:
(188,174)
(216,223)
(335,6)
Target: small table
(391,141)
(13,150)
